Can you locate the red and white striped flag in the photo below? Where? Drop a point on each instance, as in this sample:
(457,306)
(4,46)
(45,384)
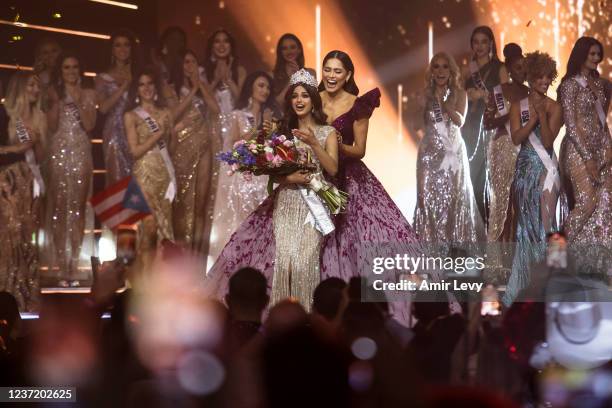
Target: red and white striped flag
(120,204)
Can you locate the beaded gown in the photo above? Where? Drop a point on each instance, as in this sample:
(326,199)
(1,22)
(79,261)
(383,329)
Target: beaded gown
(19,223)
(193,165)
(276,240)
(237,197)
(118,160)
(501,158)
(446,210)
(376,220)
(535,213)
(70,167)
(152,177)
(221,125)
(371,219)
(590,219)
(476,137)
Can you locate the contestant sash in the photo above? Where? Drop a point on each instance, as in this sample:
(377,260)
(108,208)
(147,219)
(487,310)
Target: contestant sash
(475,73)
(163,150)
(318,214)
(23,136)
(450,162)
(72,108)
(551,164)
(500,103)
(598,107)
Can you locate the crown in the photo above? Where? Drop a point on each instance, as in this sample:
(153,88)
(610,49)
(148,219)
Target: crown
(303,77)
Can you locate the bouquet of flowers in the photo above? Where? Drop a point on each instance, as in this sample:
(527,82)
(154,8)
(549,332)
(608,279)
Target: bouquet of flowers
(276,155)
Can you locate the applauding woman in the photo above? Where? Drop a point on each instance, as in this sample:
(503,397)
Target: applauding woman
(112,89)
(535,122)
(446,209)
(72,114)
(192,154)
(20,185)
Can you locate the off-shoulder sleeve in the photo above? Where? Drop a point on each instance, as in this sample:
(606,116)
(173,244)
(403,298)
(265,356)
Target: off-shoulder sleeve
(568,93)
(366,103)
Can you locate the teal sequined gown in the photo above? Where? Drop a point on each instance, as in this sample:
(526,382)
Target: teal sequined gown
(536,216)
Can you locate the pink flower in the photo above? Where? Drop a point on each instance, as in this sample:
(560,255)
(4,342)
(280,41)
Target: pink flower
(277,160)
(253,147)
(235,167)
(230,173)
(282,138)
(288,143)
(269,156)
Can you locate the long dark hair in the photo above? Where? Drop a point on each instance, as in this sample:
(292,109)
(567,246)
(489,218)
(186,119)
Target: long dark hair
(58,81)
(579,54)
(178,76)
(350,86)
(290,119)
(152,73)
(247,90)
(135,54)
(280,75)
(486,30)
(173,65)
(210,64)
(167,33)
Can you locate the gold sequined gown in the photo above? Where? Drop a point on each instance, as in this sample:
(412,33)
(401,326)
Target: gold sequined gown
(298,245)
(236,196)
(18,225)
(446,209)
(70,167)
(153,178)
(501,156)
(193,165)
(590,219)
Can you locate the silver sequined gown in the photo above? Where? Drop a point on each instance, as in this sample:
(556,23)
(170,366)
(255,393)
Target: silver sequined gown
(118,161)
(236,197)
(590,219)
(298,244)
(446,209)
(70,167)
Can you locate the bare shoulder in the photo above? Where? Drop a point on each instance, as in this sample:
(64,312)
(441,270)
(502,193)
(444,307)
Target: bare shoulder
(552,105)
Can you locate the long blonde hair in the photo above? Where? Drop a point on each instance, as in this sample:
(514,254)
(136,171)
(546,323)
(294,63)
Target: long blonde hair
(16,102)
(454,80)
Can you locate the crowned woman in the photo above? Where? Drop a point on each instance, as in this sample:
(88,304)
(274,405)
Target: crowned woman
(294,270)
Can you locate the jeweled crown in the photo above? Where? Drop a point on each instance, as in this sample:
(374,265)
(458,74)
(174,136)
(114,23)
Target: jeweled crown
(303,77)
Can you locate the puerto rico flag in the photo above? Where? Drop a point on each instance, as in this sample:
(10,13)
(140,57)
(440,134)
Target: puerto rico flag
(120,204)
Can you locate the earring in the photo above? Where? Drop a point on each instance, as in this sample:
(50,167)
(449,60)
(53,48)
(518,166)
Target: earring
(250,101)
(155,98)
(137,100)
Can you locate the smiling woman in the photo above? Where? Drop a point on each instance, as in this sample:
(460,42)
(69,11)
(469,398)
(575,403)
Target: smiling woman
(446,209)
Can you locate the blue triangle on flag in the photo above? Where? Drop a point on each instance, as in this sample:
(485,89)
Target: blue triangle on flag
(134,199)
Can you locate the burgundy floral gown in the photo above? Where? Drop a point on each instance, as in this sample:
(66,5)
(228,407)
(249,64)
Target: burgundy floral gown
(371,219)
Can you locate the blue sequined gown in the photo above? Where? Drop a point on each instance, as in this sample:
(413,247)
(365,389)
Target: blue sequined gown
(535,213)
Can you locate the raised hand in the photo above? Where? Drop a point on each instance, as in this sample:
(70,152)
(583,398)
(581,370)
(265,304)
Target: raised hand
(306,137)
